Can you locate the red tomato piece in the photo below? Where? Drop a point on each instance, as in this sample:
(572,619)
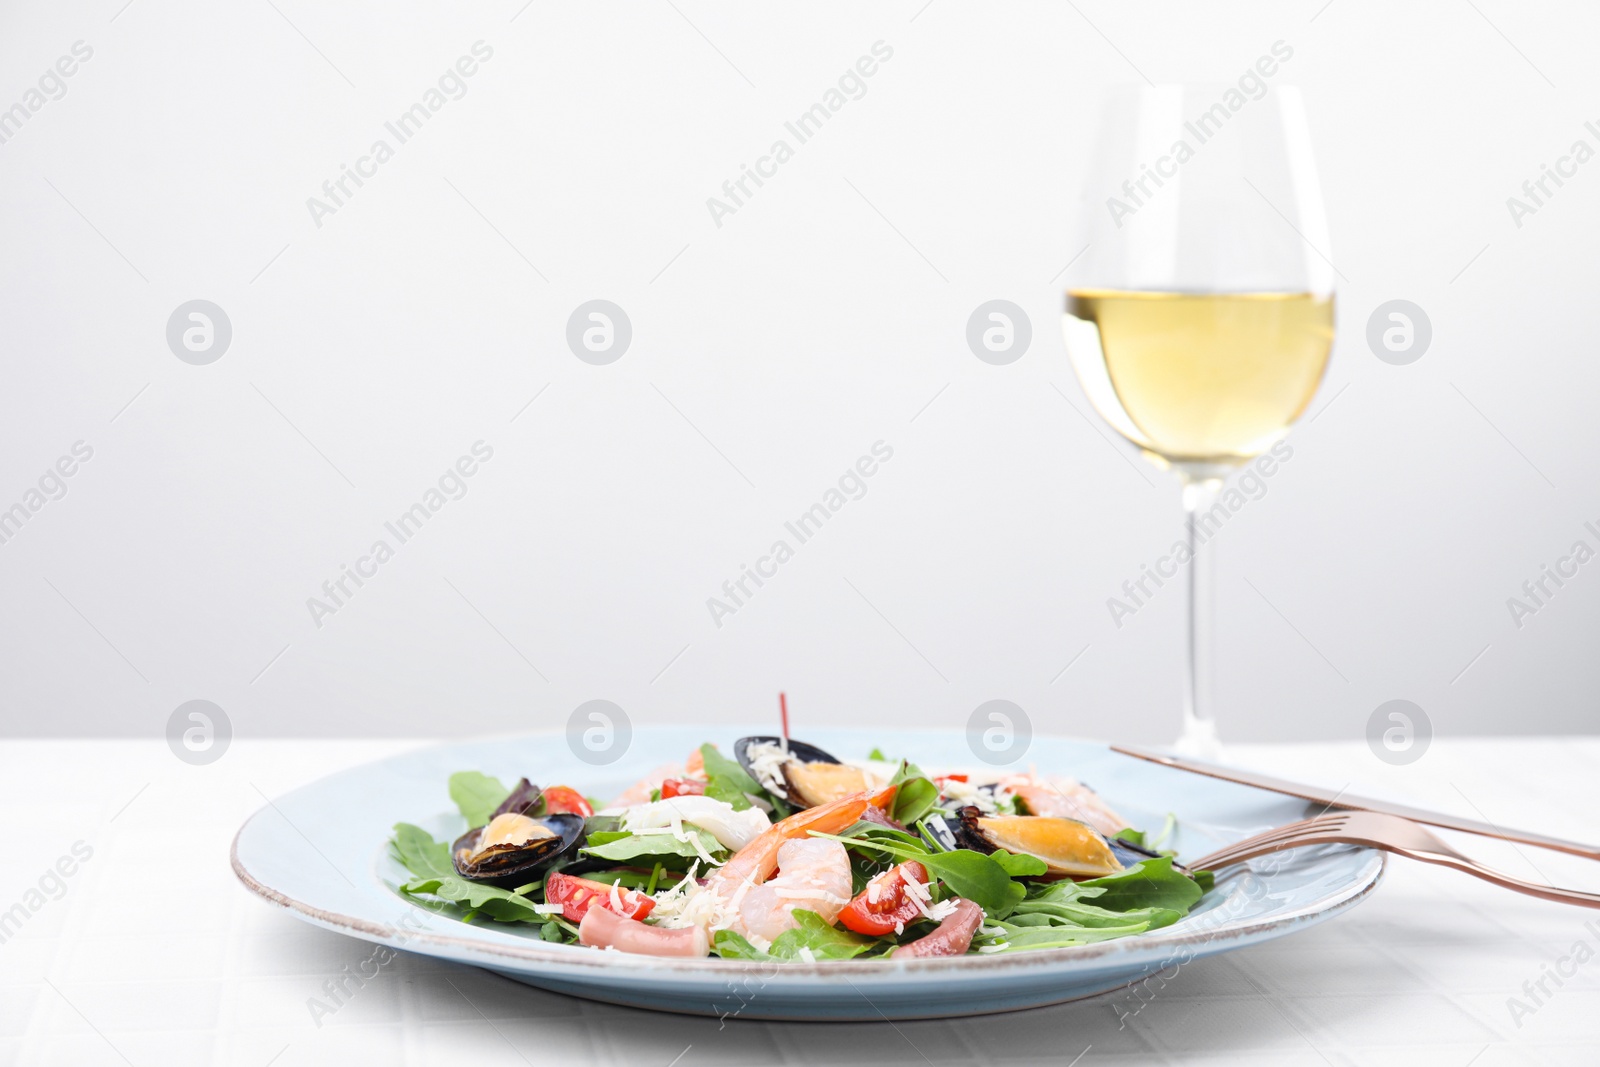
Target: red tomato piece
(577,895)
(884,903)
(682,787)
(561,798)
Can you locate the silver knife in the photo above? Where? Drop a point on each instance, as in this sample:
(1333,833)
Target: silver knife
(1346,800)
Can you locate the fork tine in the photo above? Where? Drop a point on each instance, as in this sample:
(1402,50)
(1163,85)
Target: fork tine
(1242,852)
(1279,838)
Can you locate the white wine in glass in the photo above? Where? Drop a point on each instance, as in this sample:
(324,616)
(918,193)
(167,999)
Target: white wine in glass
(1203,323)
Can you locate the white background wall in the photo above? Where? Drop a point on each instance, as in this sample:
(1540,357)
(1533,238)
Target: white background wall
(768,354)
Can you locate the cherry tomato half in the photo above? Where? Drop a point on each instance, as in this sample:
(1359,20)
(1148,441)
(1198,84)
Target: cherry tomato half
(884,903)
(561,798)
(577,895)
(682,787)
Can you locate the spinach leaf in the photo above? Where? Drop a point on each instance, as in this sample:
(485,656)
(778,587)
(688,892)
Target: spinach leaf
(620,846)
(477,795)
(429,862)
(732,946)
(416,850)
(1152,883)
(824,941)
(915,794)
(726,780)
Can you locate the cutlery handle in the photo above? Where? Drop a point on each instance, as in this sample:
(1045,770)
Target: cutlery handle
(1505,881)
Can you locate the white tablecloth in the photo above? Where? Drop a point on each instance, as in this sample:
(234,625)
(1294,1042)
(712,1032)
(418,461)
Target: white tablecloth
(150,953)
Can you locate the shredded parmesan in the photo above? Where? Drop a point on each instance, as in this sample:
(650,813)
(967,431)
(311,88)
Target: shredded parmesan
(918,892)
(989,799)
(806,954)
(766,766)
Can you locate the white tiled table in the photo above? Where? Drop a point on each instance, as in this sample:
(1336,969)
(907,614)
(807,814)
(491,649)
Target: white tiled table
(154,955)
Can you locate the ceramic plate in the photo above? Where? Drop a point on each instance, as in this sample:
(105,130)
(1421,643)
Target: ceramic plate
(321,852)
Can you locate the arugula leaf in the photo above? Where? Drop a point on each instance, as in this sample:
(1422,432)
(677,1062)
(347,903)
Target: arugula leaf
(621,846)
(1017,865)
(477,795)
(1153,883)
(1019,938)
(1132,836)
(977,877)
(1081,914)
(726,780)
(877,754)
(429,861)
(915,794)
(824,941)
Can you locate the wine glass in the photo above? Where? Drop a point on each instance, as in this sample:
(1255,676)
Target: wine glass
(1200,319)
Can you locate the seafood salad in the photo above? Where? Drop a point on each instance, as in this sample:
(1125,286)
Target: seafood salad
(781,851)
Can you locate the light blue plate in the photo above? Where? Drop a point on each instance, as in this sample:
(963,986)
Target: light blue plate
(321,852)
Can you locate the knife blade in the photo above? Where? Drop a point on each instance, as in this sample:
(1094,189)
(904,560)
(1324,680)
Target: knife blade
(1347,800)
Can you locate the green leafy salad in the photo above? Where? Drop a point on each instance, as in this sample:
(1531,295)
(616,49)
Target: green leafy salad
(781,851)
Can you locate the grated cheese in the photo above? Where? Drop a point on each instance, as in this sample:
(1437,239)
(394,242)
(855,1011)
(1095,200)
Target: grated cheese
(766,767)
(918,892)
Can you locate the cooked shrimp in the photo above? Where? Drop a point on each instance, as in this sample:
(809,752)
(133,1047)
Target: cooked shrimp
(1064,798)
(812,874)
(755,863)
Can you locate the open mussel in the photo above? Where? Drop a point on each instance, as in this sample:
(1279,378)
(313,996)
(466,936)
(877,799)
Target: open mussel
(802,774)
(1067,847)
(516,846)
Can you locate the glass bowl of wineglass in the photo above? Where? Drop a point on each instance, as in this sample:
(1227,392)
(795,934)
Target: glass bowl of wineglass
(1199,321)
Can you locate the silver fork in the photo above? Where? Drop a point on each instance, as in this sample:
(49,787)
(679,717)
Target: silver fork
(1391,833)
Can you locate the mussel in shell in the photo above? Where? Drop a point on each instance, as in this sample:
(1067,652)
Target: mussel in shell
(803,774)
(514,849)
(1067,847)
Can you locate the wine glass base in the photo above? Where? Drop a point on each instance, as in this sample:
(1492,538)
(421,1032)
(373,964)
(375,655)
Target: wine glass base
(1199,740)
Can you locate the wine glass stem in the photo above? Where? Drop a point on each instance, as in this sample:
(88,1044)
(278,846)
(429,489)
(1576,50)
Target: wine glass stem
(1199,736)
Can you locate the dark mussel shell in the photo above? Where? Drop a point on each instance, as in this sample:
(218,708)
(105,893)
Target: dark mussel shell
(798,749)
(809,777)
(509,866)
